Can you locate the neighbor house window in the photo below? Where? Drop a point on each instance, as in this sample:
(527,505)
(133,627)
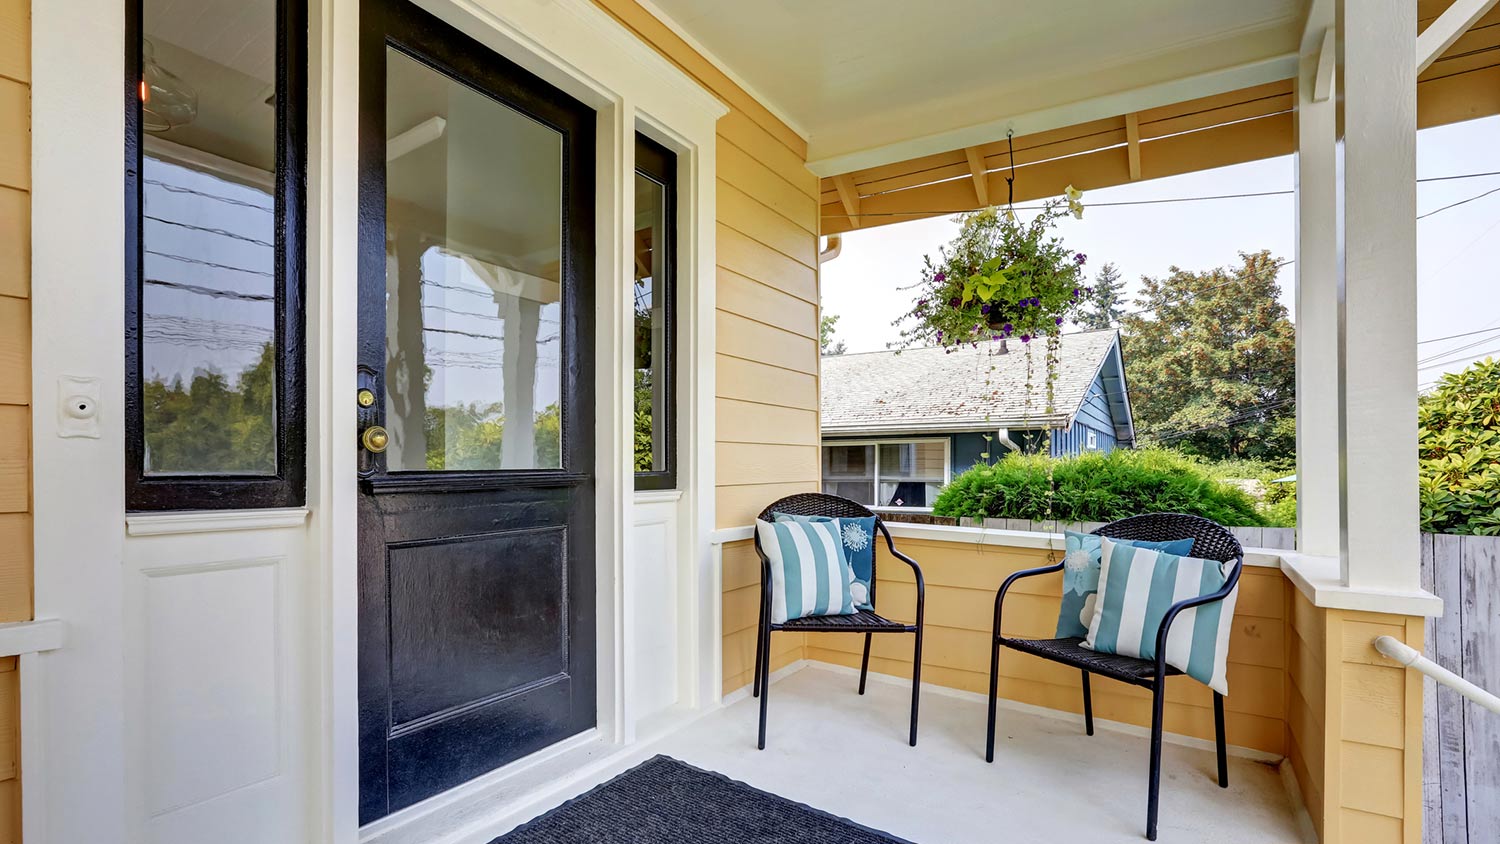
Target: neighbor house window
(654,291)
(886,474)
(214,173)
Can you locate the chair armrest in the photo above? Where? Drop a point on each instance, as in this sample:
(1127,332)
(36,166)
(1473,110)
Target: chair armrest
(1006,584)
(916,570)
(1172,611)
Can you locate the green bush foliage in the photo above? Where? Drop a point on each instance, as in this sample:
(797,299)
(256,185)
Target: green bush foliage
(1459,448)
(1096,488)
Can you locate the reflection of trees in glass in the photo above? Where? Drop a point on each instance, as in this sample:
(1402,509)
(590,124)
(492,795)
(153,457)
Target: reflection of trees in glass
(643,438)
(469,436)
(207,426)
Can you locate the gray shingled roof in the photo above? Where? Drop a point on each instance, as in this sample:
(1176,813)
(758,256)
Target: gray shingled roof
(935,390)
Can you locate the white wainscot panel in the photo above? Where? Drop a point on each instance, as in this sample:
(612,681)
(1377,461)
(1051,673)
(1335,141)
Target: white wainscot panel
(216,709)
(658,649)
(211,681)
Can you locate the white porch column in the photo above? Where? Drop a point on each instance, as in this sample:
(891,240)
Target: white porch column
(1376,201)
(1317,291)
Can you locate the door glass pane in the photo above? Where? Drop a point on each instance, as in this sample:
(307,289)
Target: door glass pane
(208,240)
(849,471)
(911,474)
(473,279)
(650,326)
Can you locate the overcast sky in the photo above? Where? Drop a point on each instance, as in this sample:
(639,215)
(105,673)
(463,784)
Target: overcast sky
(1458,255)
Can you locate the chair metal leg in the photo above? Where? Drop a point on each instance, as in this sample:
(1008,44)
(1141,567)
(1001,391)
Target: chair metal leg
(916,683)
(989,741)
(864,664)
(1088,706)
(1219,740)
(760,651)
(765,683)
(1153,791)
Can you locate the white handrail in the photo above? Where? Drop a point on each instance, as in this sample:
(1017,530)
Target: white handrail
(1411,658)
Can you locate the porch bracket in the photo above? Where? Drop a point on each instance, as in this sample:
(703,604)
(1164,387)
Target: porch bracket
(849,195)
(1133,144)
(981,176)
(1327,63)
(1433,41)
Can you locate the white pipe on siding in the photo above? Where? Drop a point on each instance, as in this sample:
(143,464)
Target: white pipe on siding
(1408,656)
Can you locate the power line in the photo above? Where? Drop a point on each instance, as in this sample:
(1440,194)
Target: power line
(212,291)
(1456,336)
(1458,203)
(1438,364)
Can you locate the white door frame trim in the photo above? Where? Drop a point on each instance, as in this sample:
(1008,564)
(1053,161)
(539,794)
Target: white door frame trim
(78,311)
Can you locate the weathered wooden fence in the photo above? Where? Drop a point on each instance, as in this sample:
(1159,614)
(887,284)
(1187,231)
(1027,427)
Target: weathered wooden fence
(1461,750)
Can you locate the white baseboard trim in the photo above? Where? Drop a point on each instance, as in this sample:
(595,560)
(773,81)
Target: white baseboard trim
(1235,750)
(778,675)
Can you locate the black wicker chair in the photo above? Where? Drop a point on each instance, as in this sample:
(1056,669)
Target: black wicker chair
(1211,542)
(864,621)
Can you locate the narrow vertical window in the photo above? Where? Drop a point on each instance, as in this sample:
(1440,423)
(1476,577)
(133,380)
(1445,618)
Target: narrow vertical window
(214,165)
(654,292)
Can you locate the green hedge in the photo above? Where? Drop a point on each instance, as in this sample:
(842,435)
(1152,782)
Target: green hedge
(1459,449)
(1096,488)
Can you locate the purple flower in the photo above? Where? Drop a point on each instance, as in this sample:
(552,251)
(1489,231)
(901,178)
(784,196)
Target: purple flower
(940,335)
(921,302)
(940,277)
(1080,258)
(1036,301)
(1025,338)
(954,302)
(994,336)
(1059,320)
(984,309)
(1007,328)
(1023,303)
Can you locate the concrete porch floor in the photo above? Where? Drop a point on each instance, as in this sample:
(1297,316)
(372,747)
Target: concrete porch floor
(1050,781)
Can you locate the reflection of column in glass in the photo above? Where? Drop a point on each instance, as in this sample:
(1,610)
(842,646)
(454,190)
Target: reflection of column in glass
(522,317)
(406,360)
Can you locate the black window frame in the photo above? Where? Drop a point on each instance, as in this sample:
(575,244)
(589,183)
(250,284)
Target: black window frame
(659,164)
(287,486)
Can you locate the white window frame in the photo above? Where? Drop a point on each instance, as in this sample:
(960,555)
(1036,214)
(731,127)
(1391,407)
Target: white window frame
(947,443)
(1091,439)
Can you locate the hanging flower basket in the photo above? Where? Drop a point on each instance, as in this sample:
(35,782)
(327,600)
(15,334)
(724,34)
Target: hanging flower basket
(999,278)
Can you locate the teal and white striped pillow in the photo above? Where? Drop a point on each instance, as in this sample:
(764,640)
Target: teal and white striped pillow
(1136,588)
(809,573)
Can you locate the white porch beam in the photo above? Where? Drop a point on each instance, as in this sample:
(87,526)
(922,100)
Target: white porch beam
(1441,33)
(1375,174)
(1317,303)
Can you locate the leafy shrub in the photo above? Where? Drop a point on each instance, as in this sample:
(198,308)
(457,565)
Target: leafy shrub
(1459,448)
(1096,488)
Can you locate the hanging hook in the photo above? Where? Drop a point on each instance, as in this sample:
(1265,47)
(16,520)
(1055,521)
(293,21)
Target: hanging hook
(1010,181)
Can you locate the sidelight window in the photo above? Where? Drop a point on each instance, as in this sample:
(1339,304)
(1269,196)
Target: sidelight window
(654,293)
(214,254)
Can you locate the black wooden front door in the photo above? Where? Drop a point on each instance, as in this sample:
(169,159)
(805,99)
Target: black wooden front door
(476,419)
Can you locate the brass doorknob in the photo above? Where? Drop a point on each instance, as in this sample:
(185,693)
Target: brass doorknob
(375,439)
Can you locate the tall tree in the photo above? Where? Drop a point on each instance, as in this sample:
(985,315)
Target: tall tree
(1103,306)
(825,336)
(1211,361)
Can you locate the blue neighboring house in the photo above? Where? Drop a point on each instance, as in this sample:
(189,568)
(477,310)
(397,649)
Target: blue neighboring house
(897,426)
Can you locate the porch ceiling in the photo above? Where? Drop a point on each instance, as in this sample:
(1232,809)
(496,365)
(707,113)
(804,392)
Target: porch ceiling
(864,81)
(1198,134)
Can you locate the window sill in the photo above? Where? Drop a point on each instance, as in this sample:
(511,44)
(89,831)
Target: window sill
(213,521)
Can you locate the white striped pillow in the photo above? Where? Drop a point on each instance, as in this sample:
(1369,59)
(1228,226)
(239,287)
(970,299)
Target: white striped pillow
(1136,588)
(809,573)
